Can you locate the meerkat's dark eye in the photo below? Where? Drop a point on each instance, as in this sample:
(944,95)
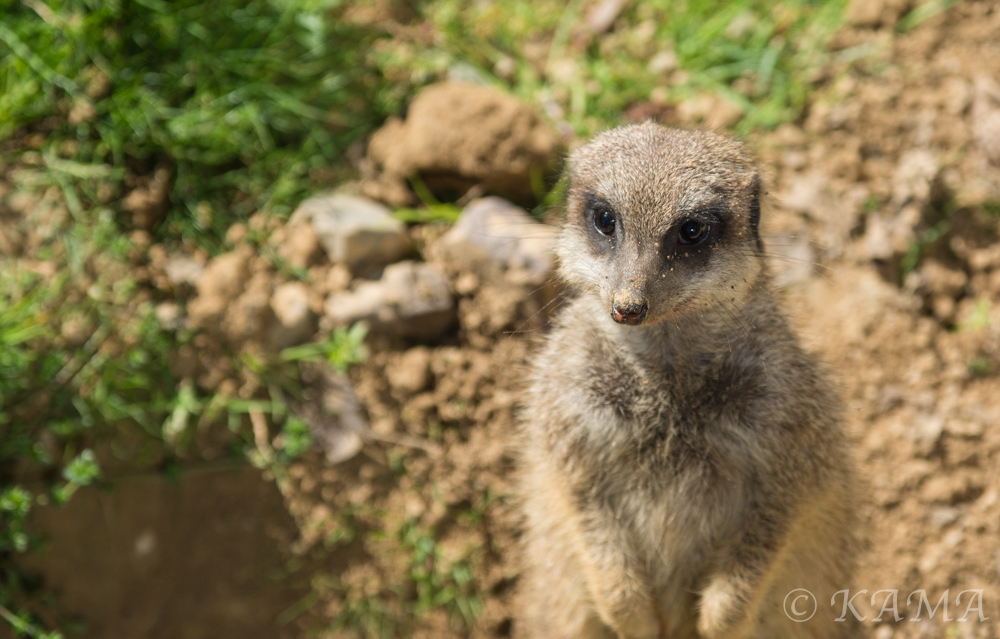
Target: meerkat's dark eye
(692,232)
(605,222)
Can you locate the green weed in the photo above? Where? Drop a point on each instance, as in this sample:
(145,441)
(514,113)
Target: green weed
(241,100)
(440,583)
(761,56)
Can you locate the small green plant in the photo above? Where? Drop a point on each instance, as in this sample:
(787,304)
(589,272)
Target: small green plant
(294,439)
(439,583)
(367,617)
(344,348)
(979,317)
(911,259)
(980,366)
(922,12)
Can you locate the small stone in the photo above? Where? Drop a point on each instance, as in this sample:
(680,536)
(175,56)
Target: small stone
(355,231)
(663,62)
(864,13)
(986,117)
(884,632)
(411,372)
(957,95)
(950,489)
(301,246)
(792,260)
(147,203)
(296,322)
(939,279)
(953,539)
(710,110)
(183,269)
(336,422)
(168,314)
(944,516)
(337,279)
(83,111)
(411,300)
(603,15)
(505,233)
(914,177)
(75,330)
(967,428)
(926,432)
(219,285)
(467,283)
(250,316)
(236,233)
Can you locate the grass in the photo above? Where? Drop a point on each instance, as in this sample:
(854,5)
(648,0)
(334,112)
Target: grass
(762,56)
(249,107)
(240,99)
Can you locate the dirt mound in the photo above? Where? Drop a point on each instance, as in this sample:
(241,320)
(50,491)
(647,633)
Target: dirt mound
(430,508)
(457,137)
(892,180)
(891,184)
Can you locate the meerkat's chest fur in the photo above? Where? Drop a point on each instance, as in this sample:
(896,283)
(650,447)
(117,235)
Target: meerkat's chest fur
(662,446)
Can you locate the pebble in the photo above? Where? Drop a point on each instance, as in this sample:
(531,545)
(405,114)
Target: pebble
(355,231)
(410,300)
(506,234)
(410,373)
(296,322)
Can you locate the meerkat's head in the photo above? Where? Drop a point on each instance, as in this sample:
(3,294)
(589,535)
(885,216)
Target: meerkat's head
(659,221)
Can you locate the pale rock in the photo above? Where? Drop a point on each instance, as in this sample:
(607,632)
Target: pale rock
(336,421)
(296,322)
(506,234)
(663,62)
(884,632)
(951,489)
(301,246)
(355,231)
(250,316)
(410,372)
(943,280)
(603,15)
(944,516)
(792,259)
(183,269)
(168,315)
(410,300)
(913,180)
(219,285)
(986,117)
(926,432)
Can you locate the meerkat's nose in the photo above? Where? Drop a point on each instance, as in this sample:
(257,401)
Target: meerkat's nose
(629,312)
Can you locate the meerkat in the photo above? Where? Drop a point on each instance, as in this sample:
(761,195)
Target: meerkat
(684,466)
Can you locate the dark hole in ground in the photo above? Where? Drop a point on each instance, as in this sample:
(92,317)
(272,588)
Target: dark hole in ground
(202,556)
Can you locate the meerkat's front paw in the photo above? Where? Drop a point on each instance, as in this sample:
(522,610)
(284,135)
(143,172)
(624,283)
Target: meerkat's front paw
(720,609)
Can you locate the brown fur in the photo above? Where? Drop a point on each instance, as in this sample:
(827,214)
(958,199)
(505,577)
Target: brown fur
(681,476)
